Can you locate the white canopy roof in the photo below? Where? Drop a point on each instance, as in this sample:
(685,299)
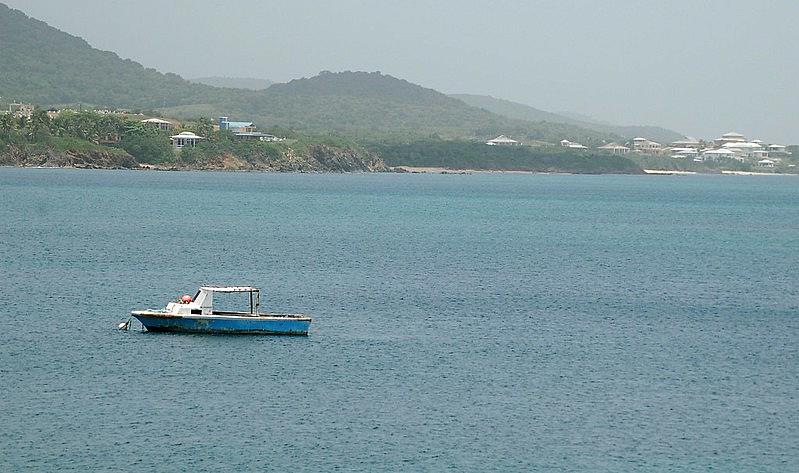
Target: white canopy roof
(719,151)
(187,134)
(742,145)
(229,289)
(502,139)
(155,120)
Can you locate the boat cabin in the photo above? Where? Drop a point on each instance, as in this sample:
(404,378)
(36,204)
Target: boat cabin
(203,302)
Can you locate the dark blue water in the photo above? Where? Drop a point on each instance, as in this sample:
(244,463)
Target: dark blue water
(461,323)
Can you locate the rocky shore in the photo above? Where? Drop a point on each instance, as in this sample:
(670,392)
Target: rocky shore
(319,158)
(90,159)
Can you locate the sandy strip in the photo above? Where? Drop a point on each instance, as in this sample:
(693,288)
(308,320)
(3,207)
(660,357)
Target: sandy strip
(666,172)
(754,173)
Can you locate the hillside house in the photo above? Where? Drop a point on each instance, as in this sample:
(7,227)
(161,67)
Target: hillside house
(614,148)
(184,139)
(746,149)
(686,143)
(236,127)
(778,149)
(721,153)
(572,144)
(245,130)
(502,140)
(731,137)
(157,123)
(645,146)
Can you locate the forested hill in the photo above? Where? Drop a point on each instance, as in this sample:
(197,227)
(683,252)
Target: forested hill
(358,101)
(526,112)
(45,66)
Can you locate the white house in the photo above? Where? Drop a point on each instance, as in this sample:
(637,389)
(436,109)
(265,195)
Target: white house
(681,153)
(778,149)
(720,153)
(502,140)
(686,143)
(643,145)
(614,148)
(766,163)
(185,138)
(744,149)
(158,123)
(731,137)
(572,145)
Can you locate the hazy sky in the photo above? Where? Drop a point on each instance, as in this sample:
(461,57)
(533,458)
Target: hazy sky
(700,67)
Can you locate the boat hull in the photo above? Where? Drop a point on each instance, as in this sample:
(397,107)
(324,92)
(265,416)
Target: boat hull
(260,325)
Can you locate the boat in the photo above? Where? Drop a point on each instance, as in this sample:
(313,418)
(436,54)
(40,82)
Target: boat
(197,315)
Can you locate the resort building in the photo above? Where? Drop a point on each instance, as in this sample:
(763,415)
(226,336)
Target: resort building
(184,139)
(730,137)
(766,163)
(722,153)
(778,149)
(502,140)
(158,123)
(682,153)
(572,145)
(614,148)
(245,130)
(686,143)
(745,149)
(236,127)
(645,146)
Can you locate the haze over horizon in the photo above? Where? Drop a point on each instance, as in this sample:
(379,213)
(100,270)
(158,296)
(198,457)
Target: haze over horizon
(701,69)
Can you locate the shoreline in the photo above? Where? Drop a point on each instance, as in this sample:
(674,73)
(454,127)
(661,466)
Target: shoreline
(409,170)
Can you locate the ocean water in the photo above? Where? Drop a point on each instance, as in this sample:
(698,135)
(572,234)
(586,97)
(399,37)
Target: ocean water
(461,322)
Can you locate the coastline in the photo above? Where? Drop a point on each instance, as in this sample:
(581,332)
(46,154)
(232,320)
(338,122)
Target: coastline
(392,169)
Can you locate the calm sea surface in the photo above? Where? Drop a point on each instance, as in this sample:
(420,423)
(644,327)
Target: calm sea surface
(461,322)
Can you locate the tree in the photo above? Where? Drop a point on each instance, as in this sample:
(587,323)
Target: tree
(204,127)
(147,145)
(38,124)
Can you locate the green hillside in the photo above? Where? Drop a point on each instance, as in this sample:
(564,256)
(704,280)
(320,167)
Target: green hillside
(525,112)
(45,66)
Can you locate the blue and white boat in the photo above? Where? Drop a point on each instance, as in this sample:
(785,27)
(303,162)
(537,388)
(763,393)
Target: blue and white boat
(197,315)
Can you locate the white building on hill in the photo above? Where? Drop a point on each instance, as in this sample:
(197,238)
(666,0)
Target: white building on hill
(572,145)
(614,148)
(158,123)
(746,149)
(502,140)
(645,146)
(185,138)
(715,154)
(731,137)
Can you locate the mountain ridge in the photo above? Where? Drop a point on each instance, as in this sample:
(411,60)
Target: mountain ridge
(247,83)
(521,111)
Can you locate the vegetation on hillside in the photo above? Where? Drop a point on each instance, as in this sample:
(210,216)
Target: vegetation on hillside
(90,139)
